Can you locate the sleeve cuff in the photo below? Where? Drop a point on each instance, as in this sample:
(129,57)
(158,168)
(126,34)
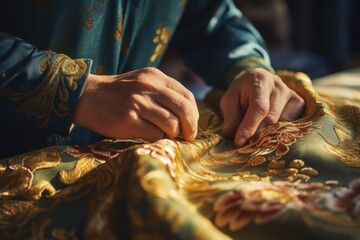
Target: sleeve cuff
(72,75)
(245,64)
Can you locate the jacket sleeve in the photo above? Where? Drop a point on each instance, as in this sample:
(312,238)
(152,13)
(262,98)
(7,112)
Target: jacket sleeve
(217,41)
(39,88)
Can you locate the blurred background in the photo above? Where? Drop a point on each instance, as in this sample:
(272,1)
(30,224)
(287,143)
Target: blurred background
(318,37)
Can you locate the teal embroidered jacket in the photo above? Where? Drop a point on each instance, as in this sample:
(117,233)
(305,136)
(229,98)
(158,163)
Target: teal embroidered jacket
(48,47)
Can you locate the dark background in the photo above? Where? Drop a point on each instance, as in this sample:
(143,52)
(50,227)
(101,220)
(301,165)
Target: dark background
(317,37)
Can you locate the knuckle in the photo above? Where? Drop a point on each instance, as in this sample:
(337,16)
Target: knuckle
(281,86)
(145,73)
(130,118)
(173,126)
(259,74)
(136,103)
(189,95)
(271,118)
(172,123)
(184,105)
(278,80)
(149,70)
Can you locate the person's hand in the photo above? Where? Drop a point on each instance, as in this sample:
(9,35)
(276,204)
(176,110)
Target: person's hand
(142,104)
(256,99)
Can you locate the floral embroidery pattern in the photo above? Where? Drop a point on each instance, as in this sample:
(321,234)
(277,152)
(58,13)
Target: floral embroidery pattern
(161,39)
(260,202)
(345,199)
(164,151)
(296,170)
(268,147)
(100,151)
(277,138)
(88,23)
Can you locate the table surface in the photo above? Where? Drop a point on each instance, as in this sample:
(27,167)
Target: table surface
(345,83)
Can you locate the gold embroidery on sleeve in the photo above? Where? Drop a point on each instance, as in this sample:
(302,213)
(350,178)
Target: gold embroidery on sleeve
(161,39)
(245,64)
(88,23)
(88,13)
(118,32)
(60,77)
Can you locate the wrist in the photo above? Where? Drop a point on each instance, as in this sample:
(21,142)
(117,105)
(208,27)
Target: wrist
(81,106)
(247,64)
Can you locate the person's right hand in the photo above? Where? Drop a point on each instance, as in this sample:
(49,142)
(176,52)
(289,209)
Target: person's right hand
(142,104)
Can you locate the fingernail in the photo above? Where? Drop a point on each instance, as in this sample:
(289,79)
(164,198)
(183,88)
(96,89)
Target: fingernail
(240,141)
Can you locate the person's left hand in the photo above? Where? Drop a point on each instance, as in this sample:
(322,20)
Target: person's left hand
(256,99)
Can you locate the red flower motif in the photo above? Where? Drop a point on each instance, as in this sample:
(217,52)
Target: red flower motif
(261,202)
(277,137)
(101,151)
(345,199)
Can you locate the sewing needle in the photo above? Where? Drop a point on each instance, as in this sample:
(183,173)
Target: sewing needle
(202,133)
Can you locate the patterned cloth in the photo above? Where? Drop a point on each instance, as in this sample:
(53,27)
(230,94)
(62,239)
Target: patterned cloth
(294,180)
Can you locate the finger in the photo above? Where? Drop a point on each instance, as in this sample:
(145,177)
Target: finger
(149,131)
(257,110)
(293,109)
(278,101)
(182,108)
(162,118)
(174,97)
(138,128)
(175,86)
(232,113)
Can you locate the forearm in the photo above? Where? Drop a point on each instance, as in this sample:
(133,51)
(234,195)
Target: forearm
(39,88)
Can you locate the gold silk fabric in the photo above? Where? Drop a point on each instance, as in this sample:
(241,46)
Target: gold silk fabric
(294,180)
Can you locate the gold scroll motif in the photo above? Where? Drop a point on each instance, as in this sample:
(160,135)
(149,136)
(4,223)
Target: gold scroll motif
(61,76)
(17,178)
